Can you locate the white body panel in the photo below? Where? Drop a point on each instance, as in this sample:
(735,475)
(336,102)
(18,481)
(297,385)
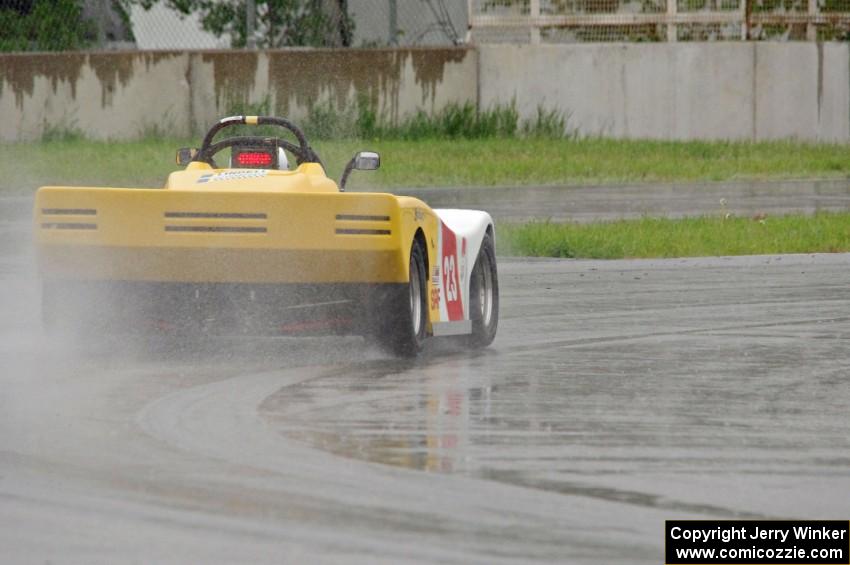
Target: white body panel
(460,236)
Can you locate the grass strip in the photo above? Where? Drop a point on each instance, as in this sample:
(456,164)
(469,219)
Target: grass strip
(687,237)
(444,162)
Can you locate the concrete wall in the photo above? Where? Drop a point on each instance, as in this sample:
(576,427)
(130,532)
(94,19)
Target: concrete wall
(104,95)
(731,90)
(124,95)
(679,91)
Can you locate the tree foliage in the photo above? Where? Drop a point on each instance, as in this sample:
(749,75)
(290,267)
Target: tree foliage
(44,25)
(279,23)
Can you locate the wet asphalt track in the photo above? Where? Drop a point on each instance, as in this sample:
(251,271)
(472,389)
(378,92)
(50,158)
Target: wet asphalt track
(607,202)
(617,394)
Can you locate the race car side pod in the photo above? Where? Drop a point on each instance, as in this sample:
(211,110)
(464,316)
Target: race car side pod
(363,161)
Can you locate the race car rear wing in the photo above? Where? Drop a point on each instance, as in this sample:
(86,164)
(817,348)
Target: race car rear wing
(223,236)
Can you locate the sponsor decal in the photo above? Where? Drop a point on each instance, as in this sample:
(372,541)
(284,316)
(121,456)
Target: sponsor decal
(450,278)
(232,175)
(435,298)
(463,259)
(418,214)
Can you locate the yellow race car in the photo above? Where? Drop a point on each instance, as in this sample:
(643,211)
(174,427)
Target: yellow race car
(257,248)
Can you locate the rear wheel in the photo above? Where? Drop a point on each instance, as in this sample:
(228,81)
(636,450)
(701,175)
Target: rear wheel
(484,296)
(403,328)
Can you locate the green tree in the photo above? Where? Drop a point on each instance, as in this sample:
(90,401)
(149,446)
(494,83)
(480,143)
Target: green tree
(279,23)
(44,25)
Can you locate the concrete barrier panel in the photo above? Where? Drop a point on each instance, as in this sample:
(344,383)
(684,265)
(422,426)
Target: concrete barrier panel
(396,82)
(786,90)
(648,91)
(658,91)
(223,83)
(585,82)
(833,92)
(733,90)
(714,96)
(125,95)
(730,90)
(115,95)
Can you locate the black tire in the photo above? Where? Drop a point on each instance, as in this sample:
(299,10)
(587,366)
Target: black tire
(484,296)
(403,328)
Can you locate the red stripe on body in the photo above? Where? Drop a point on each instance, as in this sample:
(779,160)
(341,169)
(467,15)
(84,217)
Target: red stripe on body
(449,272)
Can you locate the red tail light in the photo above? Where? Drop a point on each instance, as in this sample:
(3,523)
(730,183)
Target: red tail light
(254,159)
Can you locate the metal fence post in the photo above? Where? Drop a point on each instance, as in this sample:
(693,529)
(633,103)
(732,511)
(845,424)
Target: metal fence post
(102,19)
(393,9)
(534,13)
(470,15)
(811,28)
(672,10)
(250,24)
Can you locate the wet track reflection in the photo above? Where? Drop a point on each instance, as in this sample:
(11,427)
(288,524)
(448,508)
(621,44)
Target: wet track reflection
(624,417)
(617,394)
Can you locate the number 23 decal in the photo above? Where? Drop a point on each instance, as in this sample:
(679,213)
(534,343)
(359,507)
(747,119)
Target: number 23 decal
(451,281)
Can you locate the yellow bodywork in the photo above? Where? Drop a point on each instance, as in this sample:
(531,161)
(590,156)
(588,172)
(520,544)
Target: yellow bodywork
(230,226)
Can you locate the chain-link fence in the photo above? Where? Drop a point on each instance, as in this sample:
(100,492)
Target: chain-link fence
(573,21)
(408,22)
(346,23)
(50,25)
(162,27)
(54,25)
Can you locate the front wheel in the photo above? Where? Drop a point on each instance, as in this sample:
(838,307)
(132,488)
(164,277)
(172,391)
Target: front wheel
(484,296)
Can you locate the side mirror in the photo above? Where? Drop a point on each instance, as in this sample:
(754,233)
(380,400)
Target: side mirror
(363,161)
(367,161)
(186,155)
